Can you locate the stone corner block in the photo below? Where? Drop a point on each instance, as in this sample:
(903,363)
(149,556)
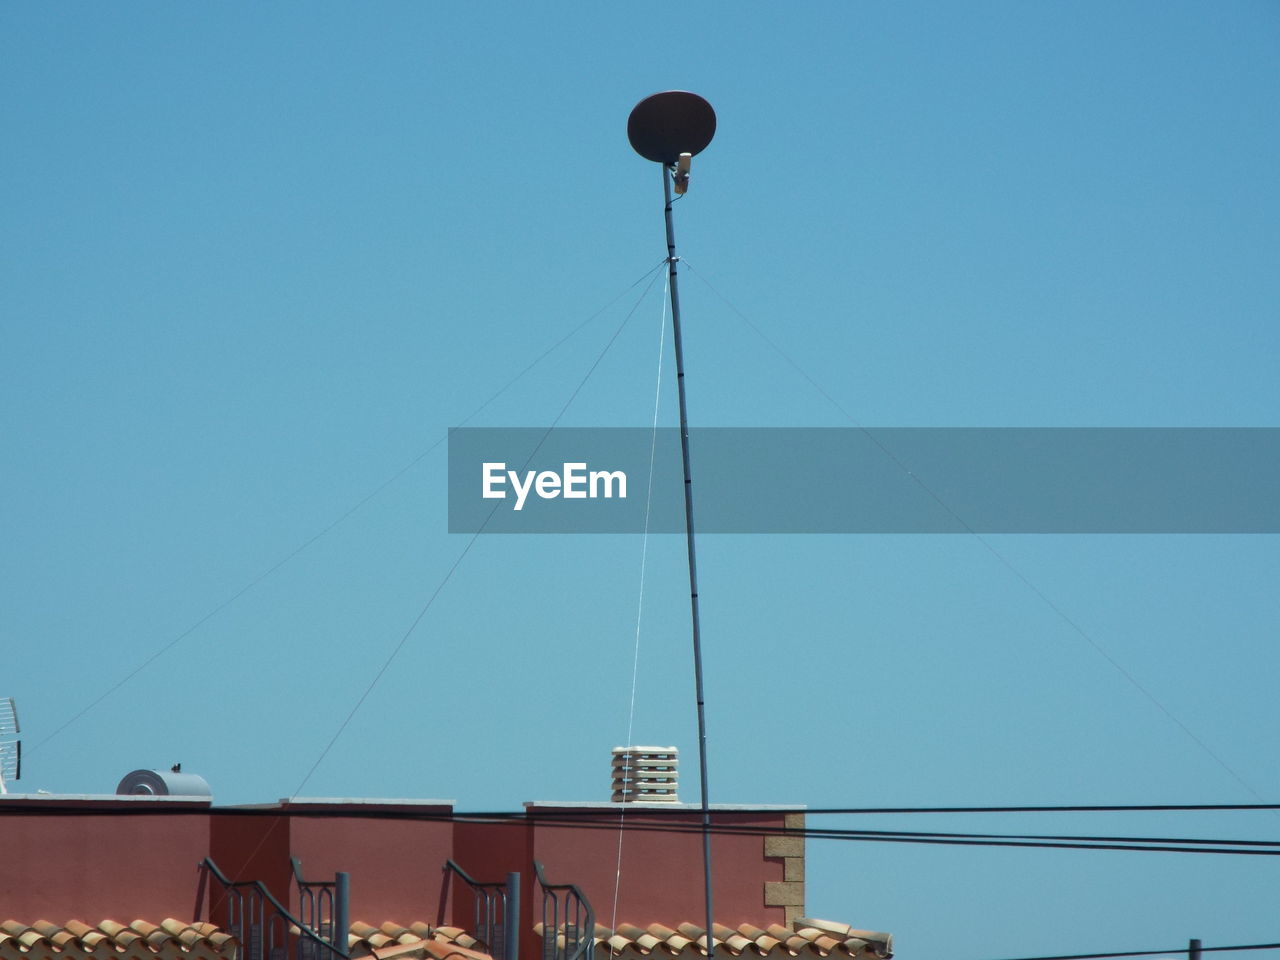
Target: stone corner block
(784,846)
(784,893)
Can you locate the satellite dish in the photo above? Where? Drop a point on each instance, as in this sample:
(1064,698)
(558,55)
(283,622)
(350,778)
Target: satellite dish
(665,125)
(10,745)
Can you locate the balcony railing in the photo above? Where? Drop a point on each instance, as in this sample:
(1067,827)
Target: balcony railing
(323,909)
(266,930)
(568,922)
(496,910)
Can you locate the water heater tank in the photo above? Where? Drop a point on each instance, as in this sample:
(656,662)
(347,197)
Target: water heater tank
(163,783)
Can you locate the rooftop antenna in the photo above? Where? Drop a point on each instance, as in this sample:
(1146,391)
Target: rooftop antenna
(670,129)
(10,745)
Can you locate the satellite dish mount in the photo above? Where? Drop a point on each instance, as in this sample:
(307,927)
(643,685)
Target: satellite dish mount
(670,129)
(10,745)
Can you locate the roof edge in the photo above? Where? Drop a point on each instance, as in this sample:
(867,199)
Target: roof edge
(648,805)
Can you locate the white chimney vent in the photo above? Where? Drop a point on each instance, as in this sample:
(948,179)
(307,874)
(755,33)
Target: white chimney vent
(645,773)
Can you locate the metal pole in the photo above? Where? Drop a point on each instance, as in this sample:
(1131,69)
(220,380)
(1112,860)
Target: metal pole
(511,918)
(342,913)
(693,562)
(1193,950)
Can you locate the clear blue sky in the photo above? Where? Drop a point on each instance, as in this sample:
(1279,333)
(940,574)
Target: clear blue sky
(258,258)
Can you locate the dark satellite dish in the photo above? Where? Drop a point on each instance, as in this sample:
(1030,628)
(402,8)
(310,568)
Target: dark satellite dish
(665,125)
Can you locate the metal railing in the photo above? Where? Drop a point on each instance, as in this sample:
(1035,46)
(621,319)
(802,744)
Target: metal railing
(323,909)
(266,930)
(568,922)
(496,912)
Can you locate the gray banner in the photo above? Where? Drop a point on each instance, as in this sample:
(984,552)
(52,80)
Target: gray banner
(874,480)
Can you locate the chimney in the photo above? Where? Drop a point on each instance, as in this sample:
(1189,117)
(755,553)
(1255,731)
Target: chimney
(645,773)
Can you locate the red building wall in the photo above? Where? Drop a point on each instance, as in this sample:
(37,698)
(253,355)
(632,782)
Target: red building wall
(661,876)
(91,860)
(661,871)
(396,865)
(247,846)
(137,858)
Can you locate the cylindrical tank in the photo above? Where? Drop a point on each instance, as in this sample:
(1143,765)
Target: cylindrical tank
(164,783)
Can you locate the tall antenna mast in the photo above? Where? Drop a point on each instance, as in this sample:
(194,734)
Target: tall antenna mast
(669,128)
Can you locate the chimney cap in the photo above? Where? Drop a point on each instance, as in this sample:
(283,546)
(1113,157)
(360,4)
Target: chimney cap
(645,773)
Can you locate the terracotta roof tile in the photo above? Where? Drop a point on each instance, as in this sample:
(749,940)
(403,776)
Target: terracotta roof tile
(809,940)
(386,941)
(140,940)
(429,950)
(175,940)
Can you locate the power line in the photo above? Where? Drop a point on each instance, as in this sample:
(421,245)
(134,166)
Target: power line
(1015,836)
(1050,808)
(1058,842)
(1152,953)
(649,821)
